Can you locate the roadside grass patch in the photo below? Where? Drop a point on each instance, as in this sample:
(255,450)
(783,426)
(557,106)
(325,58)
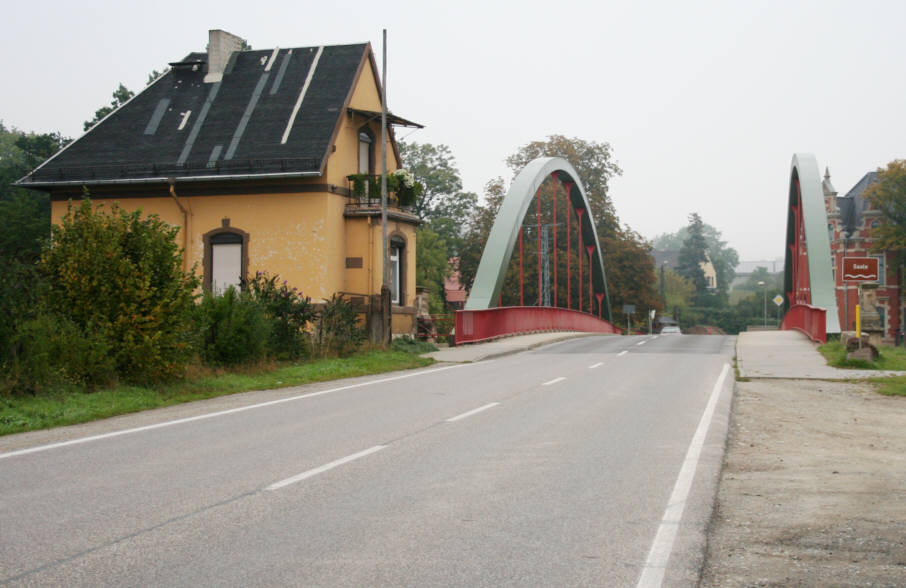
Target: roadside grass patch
(891,386)
(70,406)
(890,358)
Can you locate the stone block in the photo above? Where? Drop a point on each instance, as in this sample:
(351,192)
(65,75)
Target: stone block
(866,353)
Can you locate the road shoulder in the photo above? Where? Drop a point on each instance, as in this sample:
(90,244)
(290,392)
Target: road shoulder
(813,489)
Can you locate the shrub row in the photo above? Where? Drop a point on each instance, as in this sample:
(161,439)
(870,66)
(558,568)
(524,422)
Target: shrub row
(109,301)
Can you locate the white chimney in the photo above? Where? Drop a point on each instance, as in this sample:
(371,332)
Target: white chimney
(221,45)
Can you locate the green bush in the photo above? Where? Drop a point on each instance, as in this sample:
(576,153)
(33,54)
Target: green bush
(289,313)
(233,327)
(19,285)
(118,278)
(410,345)
(337,331)
(52,350)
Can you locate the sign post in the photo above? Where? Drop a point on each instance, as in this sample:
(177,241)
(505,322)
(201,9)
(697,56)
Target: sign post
(860,269)
(628,309)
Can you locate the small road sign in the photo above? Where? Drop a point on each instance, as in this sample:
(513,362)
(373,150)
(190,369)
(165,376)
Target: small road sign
(629,309)
(860,269)
(778,300)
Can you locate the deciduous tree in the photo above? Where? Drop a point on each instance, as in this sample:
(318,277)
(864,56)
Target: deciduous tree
(888,195)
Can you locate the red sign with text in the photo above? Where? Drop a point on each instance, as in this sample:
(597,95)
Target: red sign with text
(860,269)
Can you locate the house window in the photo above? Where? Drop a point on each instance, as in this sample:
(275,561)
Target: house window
(882,271)
(397,269)
(366,152)
(225,260)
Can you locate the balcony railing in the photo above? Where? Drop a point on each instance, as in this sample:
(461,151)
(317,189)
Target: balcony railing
(365,193)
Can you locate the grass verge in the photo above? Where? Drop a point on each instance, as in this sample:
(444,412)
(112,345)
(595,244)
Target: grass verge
(891,386)
(69,406)
(890,358)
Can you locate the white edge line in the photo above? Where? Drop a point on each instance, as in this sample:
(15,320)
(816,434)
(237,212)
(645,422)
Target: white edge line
(325,467)
(311,74)
(597,365)
(471,412)
(554,381)
(656,564)
(624,352)
(220,413)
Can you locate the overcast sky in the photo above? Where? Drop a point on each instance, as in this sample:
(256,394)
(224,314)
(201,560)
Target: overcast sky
(704,103)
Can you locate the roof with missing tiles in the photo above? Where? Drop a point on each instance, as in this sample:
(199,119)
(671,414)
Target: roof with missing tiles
(273,113)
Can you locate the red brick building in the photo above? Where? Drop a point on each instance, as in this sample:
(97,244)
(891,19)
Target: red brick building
(850,221)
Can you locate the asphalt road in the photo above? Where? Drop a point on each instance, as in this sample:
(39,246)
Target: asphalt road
(582,463)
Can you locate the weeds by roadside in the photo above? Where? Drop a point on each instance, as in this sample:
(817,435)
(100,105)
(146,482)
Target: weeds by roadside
(65,406)
(890,358)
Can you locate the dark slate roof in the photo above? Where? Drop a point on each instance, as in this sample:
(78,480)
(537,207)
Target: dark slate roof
(235,127)
(854,203)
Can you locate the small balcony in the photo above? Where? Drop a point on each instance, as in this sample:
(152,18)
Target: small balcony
(365,195)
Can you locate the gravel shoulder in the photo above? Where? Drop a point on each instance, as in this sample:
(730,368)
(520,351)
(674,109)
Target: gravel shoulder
(813,489)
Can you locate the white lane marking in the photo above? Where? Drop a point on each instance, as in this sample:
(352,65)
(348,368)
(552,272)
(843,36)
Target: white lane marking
(656,564)
(324,468)
(220,413)
(311,74)
(459,417)
(642,342)
(622,353)
(597,365)
(656,336)
(554,381)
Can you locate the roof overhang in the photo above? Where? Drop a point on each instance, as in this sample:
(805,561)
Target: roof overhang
(391,118)
(162,180)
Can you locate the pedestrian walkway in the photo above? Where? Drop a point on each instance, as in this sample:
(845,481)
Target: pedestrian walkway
(790,355)
(498,347)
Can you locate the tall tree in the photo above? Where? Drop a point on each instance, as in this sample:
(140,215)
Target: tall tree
(443,205)
(24,214)
(724,257)
(477,231)
(120,96)
(432,266)
(693,254)
(888,195)
(594,163)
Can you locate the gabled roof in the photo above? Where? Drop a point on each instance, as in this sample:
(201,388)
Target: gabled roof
(273,114)
(854,203)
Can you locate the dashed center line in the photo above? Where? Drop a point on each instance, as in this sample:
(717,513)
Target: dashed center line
(554,381)
(471,412)
(642,342)
(599,364)
(624,352)
(325,467)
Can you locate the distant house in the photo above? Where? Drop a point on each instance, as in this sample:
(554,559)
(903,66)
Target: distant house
(670,259)
(850,221)
(248,153)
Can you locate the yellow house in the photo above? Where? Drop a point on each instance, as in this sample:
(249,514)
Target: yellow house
(248,153)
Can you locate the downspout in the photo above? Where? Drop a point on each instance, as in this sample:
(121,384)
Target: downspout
(185,224)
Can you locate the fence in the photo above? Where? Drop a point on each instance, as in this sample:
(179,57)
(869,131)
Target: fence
(481,325)
(811,320)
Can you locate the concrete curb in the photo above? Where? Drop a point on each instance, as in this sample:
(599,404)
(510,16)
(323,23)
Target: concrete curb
(472,353)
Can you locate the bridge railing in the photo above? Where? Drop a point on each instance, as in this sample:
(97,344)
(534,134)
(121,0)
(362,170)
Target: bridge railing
(481,325)
(811,320)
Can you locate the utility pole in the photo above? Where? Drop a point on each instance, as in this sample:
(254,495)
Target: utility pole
(386,304)
(384,251)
